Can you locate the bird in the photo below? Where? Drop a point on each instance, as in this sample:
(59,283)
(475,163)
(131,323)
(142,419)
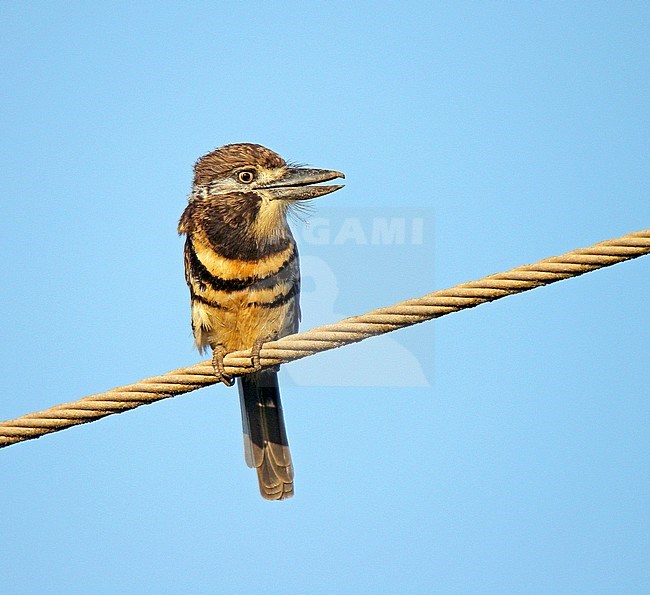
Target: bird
(242,270)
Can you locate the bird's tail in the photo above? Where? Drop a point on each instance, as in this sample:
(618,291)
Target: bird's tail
(265,438)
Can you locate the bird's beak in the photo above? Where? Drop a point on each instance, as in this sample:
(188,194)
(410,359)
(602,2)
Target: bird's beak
(296,184)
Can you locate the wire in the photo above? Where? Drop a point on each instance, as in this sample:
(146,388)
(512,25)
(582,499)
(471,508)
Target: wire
(322,338)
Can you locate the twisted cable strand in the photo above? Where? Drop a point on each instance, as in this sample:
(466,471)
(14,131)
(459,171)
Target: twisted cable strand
(330,336)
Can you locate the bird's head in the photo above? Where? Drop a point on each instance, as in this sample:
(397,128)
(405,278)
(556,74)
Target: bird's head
(249,168)
(249,185)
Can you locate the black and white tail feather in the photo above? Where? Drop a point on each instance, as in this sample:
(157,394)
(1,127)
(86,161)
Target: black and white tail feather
(266,447)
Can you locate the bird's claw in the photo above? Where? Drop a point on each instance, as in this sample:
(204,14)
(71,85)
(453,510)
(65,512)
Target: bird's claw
(218,353)
(255,355)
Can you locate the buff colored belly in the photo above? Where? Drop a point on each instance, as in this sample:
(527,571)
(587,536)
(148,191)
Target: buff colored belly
(239,325)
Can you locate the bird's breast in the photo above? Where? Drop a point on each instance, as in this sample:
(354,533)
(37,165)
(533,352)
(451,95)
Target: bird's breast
(237,301)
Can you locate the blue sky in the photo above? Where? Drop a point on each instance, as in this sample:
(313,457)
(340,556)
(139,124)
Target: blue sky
(499,449)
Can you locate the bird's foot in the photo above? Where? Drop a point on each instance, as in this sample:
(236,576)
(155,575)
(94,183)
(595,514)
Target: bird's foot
(255,352)
(218,353)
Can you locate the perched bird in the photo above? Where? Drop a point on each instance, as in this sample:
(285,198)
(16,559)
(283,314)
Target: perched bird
(241,265)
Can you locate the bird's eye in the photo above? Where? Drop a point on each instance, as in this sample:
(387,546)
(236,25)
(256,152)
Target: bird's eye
(246,176)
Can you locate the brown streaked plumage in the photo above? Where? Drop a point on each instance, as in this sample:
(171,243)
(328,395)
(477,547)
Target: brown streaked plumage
(241,266)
